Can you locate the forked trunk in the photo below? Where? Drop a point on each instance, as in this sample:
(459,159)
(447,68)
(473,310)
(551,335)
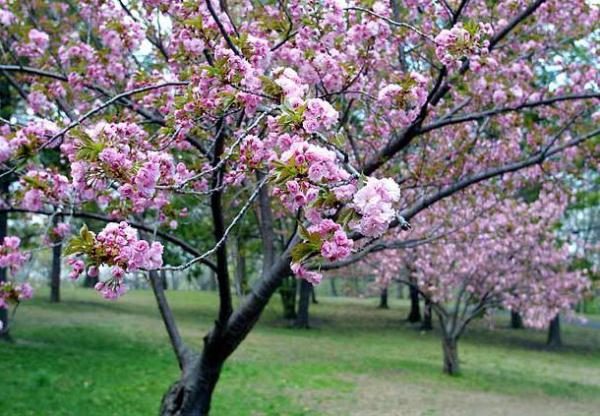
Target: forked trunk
(450,348)
(191,395)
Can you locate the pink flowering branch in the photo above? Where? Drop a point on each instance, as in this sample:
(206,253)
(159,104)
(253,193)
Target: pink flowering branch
(98,217)
(535,159)
(391,22)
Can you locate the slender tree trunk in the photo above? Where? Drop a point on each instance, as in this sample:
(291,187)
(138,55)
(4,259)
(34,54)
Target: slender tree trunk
(4,333)
(287,292)
(450,349)
(333,288)
(383,298)
(303,305)
(55,273)
(427,324)
(415,310)
(516,322)
(554,338)
(163,279)
(240,268)
(313,296)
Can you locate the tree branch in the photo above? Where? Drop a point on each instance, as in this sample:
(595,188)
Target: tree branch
(496,111)
(180,349)
(164,236)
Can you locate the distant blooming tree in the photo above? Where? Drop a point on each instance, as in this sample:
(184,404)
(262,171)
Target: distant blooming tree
(332,121)
(507,258)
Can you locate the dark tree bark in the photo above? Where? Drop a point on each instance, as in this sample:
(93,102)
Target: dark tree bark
(450,348)
(302,320)
(4,333)
(241,284)
(383,298)
(55,269)
(516,322)
(55,274)
(415,311)
(427,324)
(554,338)
(192,394)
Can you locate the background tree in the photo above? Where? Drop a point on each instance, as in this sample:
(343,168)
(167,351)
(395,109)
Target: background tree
(337,121)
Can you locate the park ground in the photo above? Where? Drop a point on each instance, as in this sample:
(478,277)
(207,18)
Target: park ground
(87,356)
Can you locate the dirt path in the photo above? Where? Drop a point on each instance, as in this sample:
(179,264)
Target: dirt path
(378,397)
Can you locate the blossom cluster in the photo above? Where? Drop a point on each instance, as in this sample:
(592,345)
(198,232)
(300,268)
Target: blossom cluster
(39,187)
(375,203)
(13,293)
(11,255)
(335,243)
(402,101)
(319,114)
(118,247)
(462,42)
(25,140)
(119,153)
(303,169)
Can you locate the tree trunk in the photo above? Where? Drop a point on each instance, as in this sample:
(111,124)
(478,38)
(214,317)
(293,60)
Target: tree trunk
(191,395)
(163,279)
(383,298)
(333,288)
(287,292)
(415,311)
(4,333)
(554,339)
(55,273)
(313,295)
(303,305)
(450,348)
(516,322)
(427,324)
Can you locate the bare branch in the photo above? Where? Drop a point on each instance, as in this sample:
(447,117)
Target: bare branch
(495,111)
(180,349)
(226,233)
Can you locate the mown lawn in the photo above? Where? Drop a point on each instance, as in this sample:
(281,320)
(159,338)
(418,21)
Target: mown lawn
(87,356)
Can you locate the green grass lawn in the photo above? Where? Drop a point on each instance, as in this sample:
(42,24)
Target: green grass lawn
(87,356)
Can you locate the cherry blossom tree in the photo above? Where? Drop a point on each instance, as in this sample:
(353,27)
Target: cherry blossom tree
(507,258)
(332,121)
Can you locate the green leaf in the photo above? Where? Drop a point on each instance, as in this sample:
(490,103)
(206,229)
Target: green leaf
(301,252)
